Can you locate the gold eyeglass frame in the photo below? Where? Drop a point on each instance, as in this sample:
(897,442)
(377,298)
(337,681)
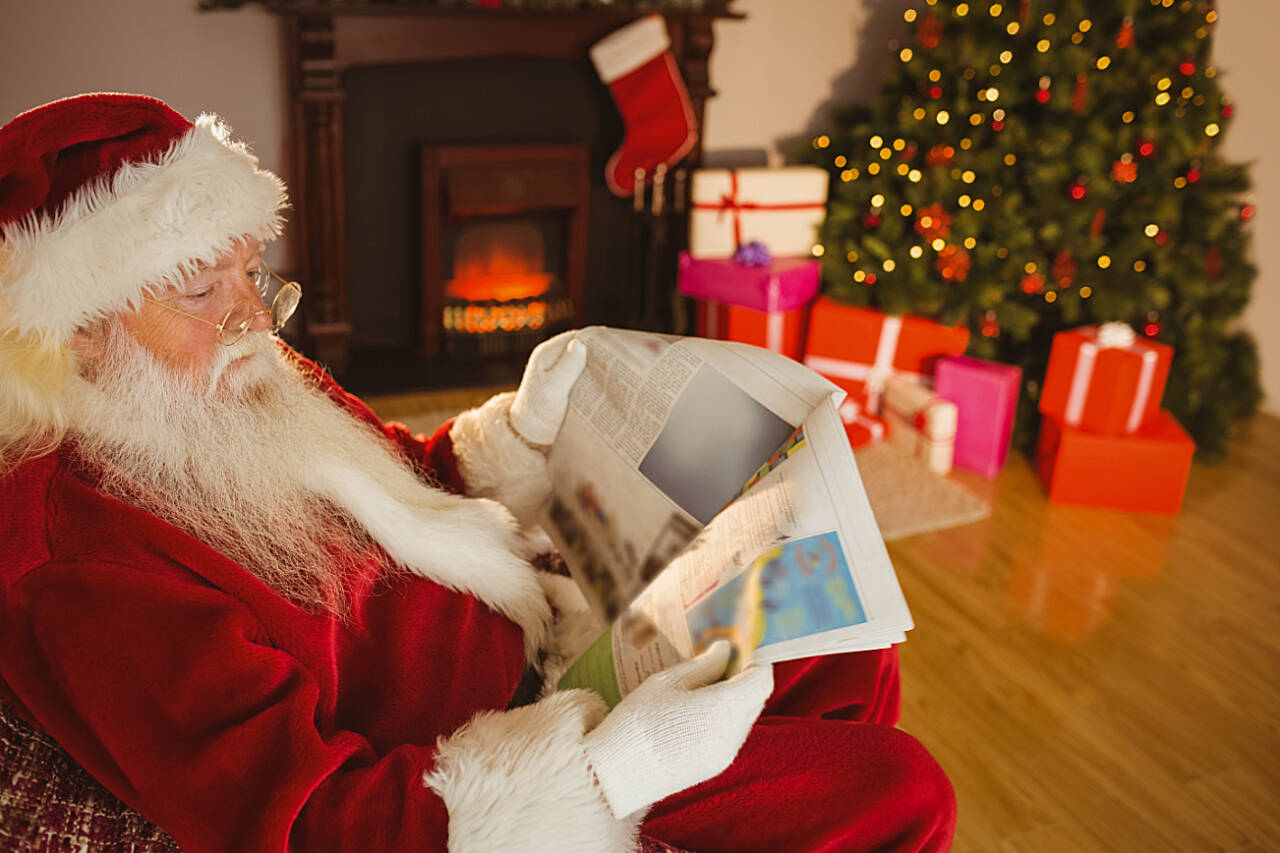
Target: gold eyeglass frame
(278,312)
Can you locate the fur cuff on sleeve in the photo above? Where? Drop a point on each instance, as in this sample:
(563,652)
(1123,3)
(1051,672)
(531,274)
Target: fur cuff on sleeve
(495,463)
(519,780)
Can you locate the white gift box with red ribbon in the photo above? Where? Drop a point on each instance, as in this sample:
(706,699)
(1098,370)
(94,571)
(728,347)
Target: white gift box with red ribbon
(781,208)
(921,422)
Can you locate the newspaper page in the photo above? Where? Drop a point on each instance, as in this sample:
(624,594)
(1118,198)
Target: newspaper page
(722,471)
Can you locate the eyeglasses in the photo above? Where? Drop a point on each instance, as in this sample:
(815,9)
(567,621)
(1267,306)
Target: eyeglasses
(241,316)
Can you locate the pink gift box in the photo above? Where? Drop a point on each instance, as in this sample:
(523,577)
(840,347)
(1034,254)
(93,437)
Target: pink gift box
(783,285)
(986,395)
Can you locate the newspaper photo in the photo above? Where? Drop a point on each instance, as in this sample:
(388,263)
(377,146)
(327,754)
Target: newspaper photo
(706,490)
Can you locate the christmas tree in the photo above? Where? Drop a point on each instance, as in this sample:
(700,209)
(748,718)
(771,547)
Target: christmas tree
(1042,164)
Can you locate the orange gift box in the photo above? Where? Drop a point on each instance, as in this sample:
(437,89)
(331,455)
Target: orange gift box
(1105,379)
(780,331)
(859,348)
(1144,472)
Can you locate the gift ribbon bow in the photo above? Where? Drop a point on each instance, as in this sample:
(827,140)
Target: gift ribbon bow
(1110,336)
(729,203)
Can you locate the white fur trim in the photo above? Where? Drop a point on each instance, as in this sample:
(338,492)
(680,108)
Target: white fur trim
(626,49)
(466,544)
(519,780)
(145,227)
(496,463)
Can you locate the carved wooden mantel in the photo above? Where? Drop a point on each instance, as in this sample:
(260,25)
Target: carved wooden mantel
(325,39)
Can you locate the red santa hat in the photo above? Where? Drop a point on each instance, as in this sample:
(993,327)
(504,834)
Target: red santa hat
(104,197)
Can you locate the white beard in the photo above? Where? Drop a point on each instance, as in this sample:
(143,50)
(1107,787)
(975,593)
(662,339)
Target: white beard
(253,460)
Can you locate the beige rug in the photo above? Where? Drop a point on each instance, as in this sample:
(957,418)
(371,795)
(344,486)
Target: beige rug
(906,497)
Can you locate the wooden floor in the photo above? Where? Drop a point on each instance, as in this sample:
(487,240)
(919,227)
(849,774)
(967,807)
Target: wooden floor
(1098,681)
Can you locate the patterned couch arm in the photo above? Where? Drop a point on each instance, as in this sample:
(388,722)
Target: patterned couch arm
(49,803)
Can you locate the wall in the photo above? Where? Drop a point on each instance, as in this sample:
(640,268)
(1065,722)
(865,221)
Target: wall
(224,62)
(778,72)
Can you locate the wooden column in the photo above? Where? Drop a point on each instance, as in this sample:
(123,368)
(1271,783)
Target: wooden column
(319,234)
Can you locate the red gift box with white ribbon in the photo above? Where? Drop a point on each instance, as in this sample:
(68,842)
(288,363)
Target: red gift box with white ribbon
(862,428)
(781,208)
(859,349)
(1105,379)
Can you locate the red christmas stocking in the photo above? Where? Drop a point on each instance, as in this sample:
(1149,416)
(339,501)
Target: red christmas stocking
(637,65)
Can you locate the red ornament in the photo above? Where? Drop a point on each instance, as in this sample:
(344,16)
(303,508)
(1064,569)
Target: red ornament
(928,32)
(1124,170)
(933,222)
(1098,219)
(940,155)
(935,92)
(1151,329)
(990,328)
(1124,38)
(1162,238)
(1080,95)
(1193,176)
(953,262)
(1077,191)
(871,221)
(1188,67)
(1064,268)
(1146,148)
(1227,110)
(1246,213)
(1042,96)
(1033,283)
(1212,263)
(997,124)
(871,278)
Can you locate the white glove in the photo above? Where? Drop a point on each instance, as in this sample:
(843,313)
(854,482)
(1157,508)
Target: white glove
(672,732)
(540,403)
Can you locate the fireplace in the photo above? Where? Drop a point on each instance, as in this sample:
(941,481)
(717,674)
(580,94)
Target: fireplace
(410,120)
(504,233)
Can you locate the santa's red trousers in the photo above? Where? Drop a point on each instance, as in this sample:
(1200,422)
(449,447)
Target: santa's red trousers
(823,770)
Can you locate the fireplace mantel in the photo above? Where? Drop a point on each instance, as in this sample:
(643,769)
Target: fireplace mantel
(325,39)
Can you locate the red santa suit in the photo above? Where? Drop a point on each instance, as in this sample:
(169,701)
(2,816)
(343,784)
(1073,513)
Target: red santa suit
(237,721)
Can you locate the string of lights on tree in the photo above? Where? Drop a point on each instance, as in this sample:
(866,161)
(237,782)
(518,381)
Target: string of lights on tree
(1033,166)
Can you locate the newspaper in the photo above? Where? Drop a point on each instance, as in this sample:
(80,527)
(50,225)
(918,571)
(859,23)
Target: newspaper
(704,490)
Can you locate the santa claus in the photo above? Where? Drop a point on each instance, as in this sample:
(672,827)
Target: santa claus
(268,621)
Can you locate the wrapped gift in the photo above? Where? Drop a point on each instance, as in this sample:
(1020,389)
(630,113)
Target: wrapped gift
(859,349)
(986,398)
(1146,471)
(921,421)
(1105,379)
(766,305)
(862,428)
(781,208)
